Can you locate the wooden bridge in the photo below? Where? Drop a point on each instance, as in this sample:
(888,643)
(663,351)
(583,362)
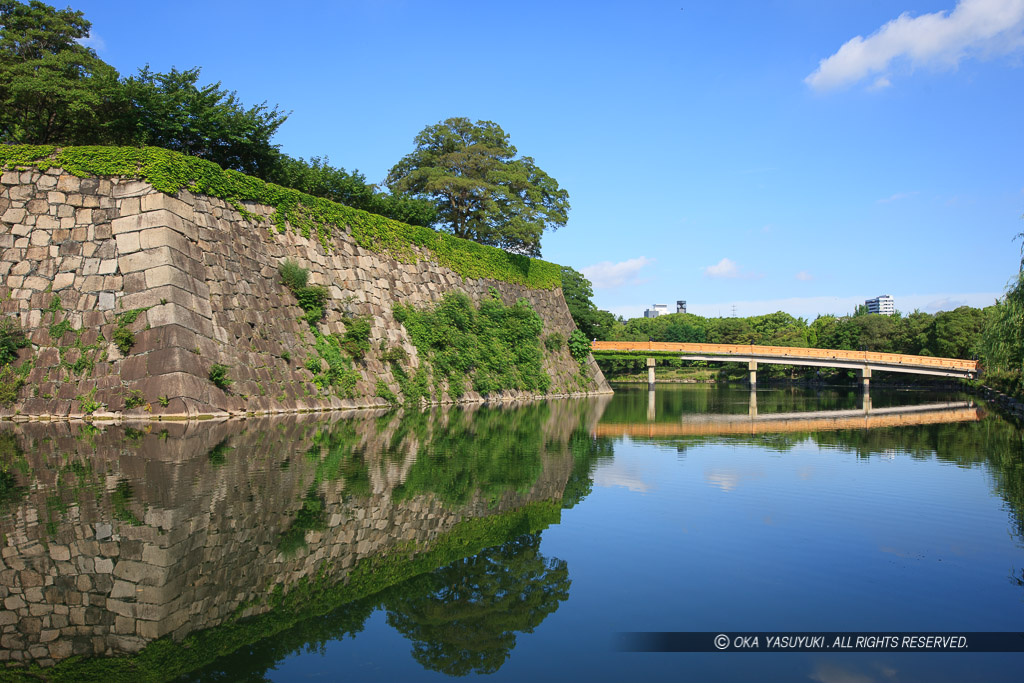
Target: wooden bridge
(865,362)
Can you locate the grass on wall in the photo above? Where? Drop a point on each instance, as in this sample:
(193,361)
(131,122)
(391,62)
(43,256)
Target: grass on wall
(311,216)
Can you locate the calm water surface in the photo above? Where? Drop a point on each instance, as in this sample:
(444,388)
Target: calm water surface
(516,542)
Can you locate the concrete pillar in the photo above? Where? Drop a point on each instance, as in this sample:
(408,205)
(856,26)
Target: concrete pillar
(651,412)
(865,378)
(753,403)
(752,366)
(650,374)
(866,402)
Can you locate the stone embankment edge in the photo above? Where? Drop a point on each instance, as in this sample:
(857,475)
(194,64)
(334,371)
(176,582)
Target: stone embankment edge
(122,418)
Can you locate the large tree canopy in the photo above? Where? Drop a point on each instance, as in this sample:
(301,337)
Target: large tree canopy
(52,88)
(481,190)
(172,111)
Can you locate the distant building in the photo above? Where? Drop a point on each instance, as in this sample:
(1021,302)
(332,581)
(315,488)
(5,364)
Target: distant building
(655,310)
(884,304)
(680,307)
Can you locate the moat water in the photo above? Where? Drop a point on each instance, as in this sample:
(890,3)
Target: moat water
(515,542)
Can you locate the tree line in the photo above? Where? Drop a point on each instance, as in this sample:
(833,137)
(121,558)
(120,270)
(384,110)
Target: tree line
(462,177)
(994,334)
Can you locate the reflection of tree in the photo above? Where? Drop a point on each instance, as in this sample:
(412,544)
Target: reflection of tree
(463,618)
(490,451)
(586,451)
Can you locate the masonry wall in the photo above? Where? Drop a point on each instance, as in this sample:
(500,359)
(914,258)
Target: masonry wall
(208,279)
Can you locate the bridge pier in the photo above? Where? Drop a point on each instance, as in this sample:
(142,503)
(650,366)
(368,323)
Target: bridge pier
(865,378)
(752,366)
(650,374)
(752,409)
(651,406)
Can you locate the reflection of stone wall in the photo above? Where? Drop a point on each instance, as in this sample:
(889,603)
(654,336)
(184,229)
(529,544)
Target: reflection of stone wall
(208,277)
(78,576)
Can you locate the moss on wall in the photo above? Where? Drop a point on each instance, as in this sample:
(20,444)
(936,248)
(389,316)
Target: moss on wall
(170,172)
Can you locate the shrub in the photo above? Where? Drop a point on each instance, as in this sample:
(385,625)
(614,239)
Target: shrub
(11,380)
(356,340)
(87,403)
(496,347)
(134,399)
(12,338)
(293,275)
(385,393)
(579,346)
(554,341)
(124,339)
(219,376)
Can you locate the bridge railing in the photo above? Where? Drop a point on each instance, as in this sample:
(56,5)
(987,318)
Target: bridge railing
(873,357)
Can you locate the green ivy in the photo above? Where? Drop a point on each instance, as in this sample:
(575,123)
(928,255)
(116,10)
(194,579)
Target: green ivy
(494,346)
(310,216)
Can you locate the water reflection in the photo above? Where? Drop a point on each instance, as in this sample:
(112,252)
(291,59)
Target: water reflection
(219,535)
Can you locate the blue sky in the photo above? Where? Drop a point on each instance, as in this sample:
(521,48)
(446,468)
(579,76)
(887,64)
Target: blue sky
(792,155)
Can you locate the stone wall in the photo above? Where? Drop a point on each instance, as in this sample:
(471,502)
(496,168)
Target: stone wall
(127,535)
(77,253)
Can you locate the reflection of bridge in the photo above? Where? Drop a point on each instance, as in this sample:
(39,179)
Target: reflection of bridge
(815,421)
(863,361)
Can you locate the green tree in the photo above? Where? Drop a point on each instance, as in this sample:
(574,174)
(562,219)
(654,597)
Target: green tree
(52,88)
(464,618)
(593,322)
(170,110)
(1003,340)
(481,190)
(318,178)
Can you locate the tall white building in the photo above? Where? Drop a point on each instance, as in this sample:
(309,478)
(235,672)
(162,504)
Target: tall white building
(883,304)
(655,310)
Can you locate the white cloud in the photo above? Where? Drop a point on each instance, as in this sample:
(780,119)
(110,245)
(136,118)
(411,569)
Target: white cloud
(896,197)
(727,268)
(972,28)
(724,268)
(804,276)
(607,275)
(94,41)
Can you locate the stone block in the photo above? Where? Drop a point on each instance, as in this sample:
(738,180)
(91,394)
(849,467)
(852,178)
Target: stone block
(175,314)
(127,242)
(144,260)
(126,188)
(154,219)
(167,274)
(174,359)
(69,183)
(14,602)
(139,572)
(165,237)
(157,296)
(13,215)
(47,222)
(120,607)
(159,200)
(60,553)
(123,590)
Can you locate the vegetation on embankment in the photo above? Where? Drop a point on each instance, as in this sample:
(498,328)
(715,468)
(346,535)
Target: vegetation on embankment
(311,216)
(492,346)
